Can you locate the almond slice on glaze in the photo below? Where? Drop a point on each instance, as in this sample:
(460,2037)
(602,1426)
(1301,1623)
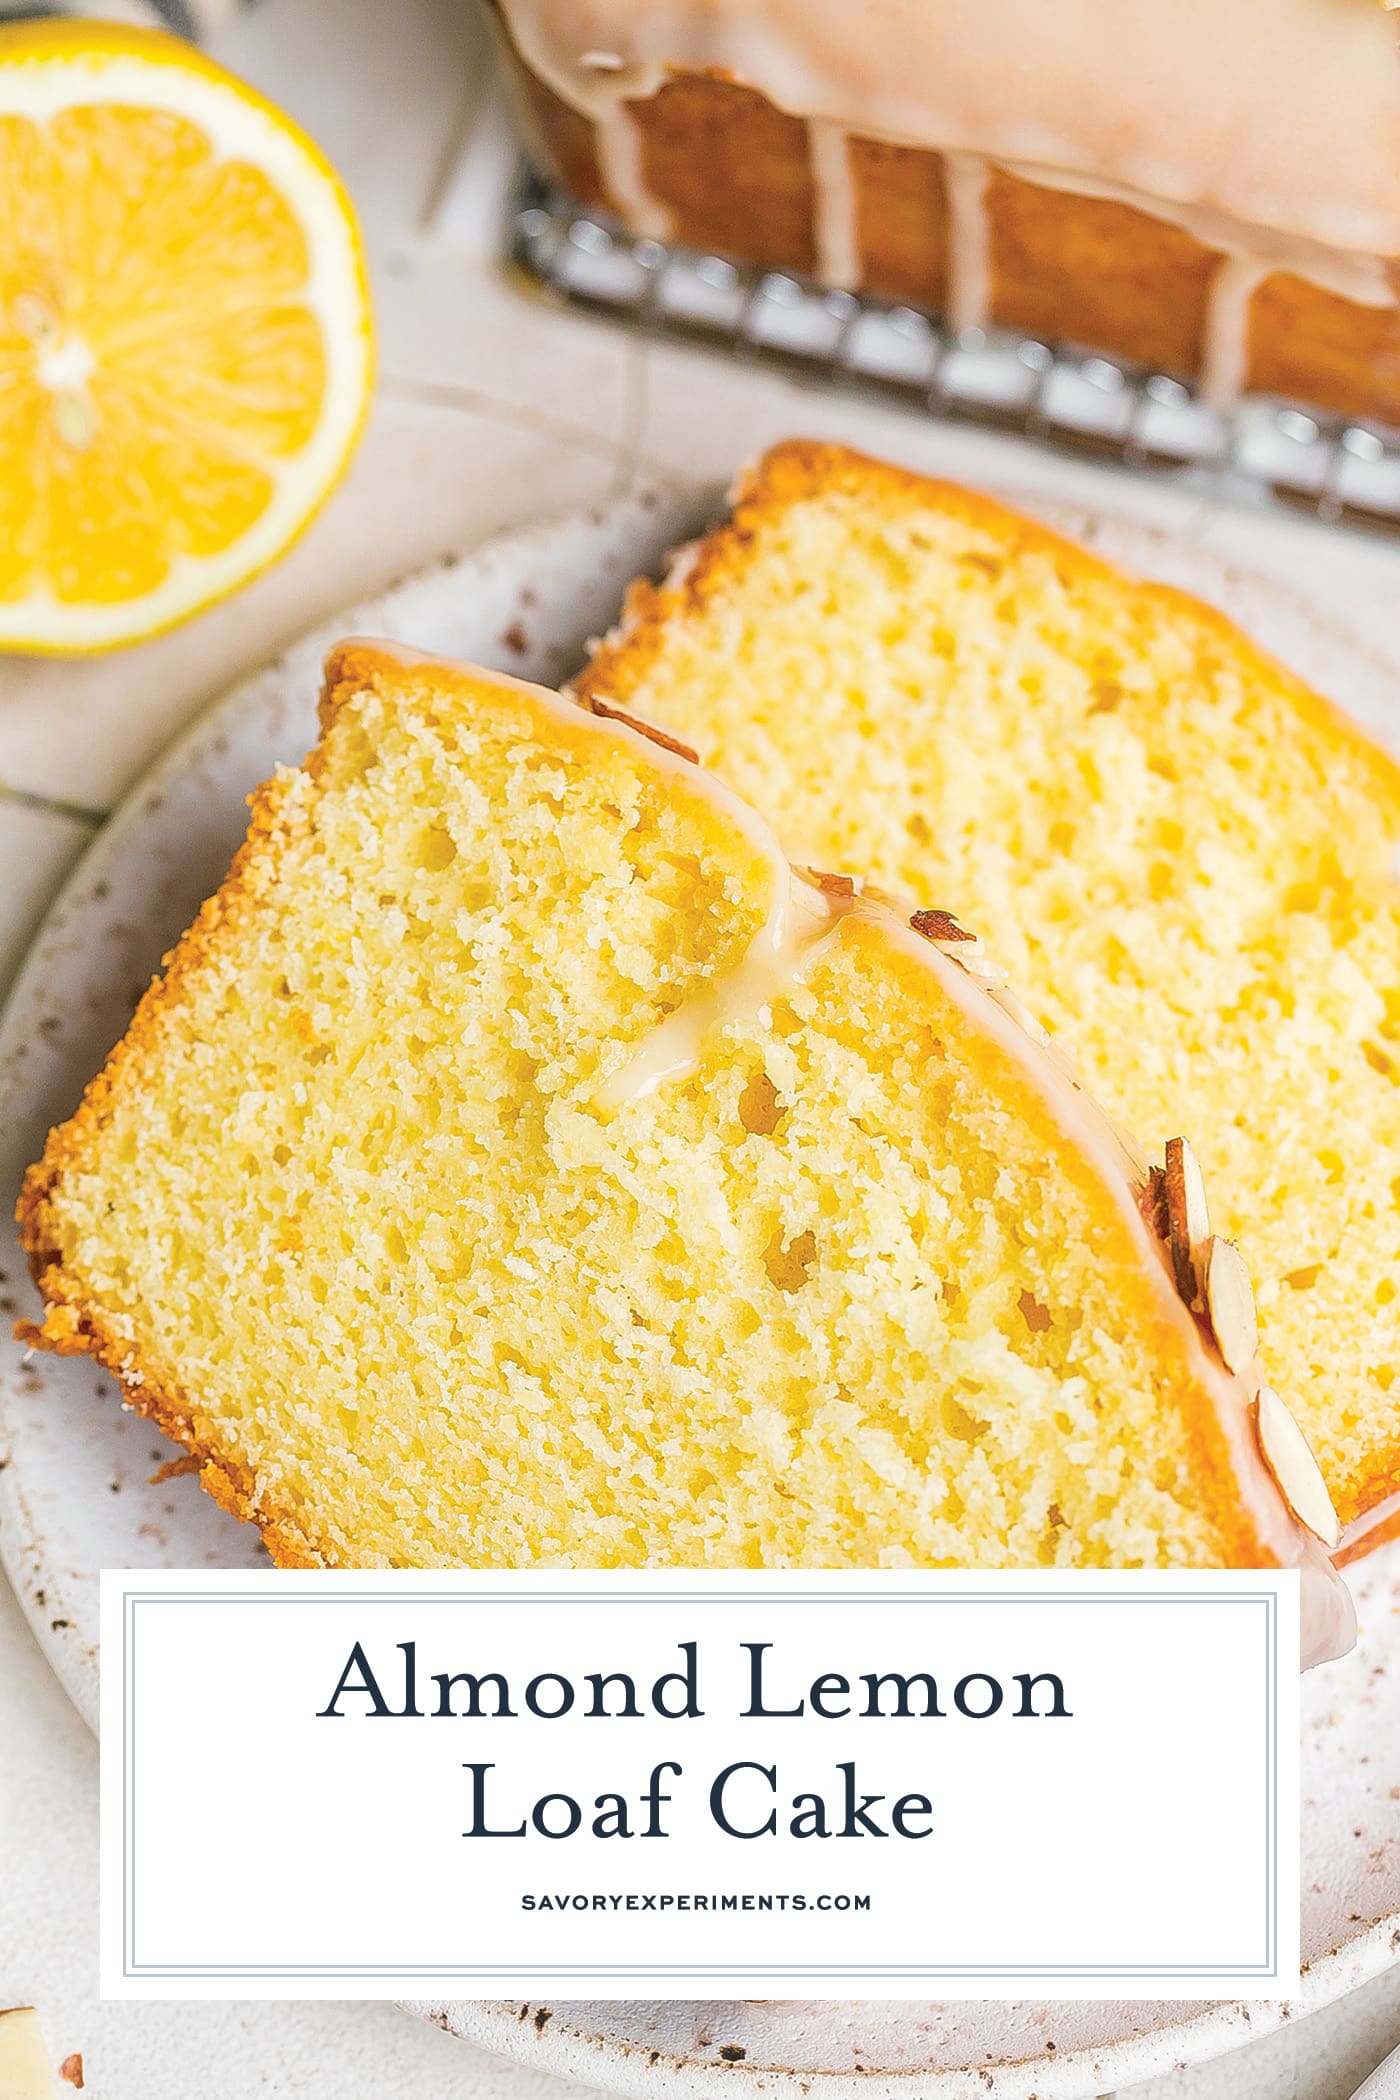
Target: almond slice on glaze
(1230,1305)
(832,885)
(1188,1217)
(1289,1457)
(940,926)
(25,2071)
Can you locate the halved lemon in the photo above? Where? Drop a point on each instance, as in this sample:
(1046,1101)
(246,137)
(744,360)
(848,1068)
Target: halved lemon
(185,338)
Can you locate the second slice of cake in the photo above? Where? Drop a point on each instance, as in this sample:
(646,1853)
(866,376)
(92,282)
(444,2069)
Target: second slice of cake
(520,1163)
(1184,856)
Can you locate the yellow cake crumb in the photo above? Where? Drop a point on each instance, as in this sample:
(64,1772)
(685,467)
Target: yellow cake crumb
(351,1213)
(1185,858)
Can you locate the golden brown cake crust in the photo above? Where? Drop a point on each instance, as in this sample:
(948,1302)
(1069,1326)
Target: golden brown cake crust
(799,468)
(1071,267)
(1094,271)
(71,1325)
(700,122)
(802,467)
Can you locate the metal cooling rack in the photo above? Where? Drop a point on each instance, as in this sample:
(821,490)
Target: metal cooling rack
(1260,451)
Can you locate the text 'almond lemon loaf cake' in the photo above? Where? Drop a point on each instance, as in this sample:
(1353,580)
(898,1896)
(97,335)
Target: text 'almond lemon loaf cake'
(1183,856)
(520,1163)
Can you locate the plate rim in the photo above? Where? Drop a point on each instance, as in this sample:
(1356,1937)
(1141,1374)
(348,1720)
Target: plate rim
(611,2063)
(1383,2082)
(627,2068)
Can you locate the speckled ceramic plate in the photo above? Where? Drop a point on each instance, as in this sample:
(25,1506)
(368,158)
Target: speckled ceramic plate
(77,1476)
(1384,2081)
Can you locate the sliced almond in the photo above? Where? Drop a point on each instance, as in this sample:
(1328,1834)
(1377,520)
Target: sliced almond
(832,885)
(1230,1304)
(26,2072)
(1152,1202)
(646,729)
(1188,1218)
(1289,1457)
(939,926)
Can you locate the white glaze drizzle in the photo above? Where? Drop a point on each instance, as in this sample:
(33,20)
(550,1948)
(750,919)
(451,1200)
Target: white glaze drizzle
(1225,343)
(620,165)
(1279,113)
(969,295)
(1265,128)
(835,235)
(797,928)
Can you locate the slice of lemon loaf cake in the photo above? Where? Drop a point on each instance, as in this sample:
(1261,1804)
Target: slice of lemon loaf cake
(520,1162)
(1184,857)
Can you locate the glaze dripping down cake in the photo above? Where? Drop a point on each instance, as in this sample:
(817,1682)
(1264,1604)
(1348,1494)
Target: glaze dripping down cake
(1210,189)
(1185,858)
(520,1163)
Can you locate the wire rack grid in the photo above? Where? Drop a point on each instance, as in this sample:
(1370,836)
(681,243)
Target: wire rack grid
(1260,451)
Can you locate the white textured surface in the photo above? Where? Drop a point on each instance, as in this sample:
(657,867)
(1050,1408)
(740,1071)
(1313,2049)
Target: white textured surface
(493,409)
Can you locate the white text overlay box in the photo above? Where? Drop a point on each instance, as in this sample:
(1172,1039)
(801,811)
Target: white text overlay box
(652,1785)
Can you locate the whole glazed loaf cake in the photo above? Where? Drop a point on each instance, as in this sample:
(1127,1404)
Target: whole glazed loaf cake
(1185,857)
(1209,189)
(521,1163)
